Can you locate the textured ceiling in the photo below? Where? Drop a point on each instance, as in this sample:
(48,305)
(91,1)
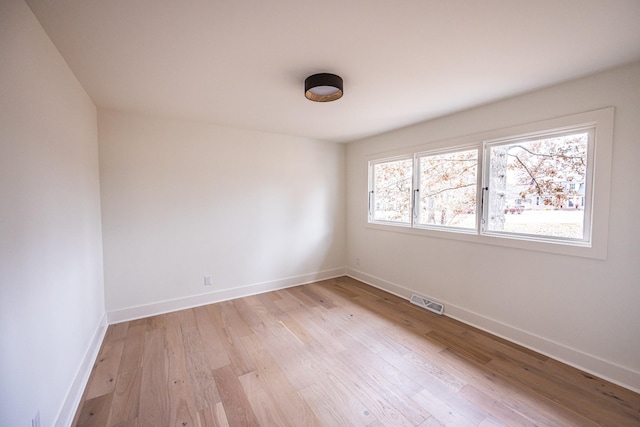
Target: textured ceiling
(243,62)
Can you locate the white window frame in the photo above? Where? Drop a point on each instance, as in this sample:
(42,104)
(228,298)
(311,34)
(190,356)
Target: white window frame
(598,178)
(371,202)
(417,187)
(586,239)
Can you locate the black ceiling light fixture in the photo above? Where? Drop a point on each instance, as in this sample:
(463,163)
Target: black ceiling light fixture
(323,87)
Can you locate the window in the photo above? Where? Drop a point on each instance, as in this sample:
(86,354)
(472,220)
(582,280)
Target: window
(390,193)
(554,168)
(528,187)
(446,195)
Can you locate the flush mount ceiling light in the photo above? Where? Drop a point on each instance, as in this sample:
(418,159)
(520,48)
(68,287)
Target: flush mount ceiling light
(323,87)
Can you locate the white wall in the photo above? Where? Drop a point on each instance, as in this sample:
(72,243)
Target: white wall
(51,284)
(183,199)
(583,311)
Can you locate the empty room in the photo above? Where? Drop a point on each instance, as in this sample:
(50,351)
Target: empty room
(329,213)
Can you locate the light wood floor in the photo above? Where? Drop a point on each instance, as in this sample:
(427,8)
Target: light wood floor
(333,353)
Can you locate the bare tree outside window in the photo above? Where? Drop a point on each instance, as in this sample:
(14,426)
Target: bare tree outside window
(534,187)
(391,192)
(448,187)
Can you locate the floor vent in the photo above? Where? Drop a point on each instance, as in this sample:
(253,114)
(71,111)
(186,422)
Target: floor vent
(423,302)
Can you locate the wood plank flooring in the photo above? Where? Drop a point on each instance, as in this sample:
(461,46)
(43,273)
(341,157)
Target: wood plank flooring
(333,353)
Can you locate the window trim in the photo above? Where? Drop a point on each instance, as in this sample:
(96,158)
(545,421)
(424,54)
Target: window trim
(602,120)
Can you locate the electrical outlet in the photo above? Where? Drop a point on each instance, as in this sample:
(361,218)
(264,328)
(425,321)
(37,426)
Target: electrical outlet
(357,261)
(35,421)
(208,280)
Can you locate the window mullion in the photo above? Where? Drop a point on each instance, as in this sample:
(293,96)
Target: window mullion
(415,208)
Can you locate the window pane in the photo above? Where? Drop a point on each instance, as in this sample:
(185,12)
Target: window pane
(392,182)
(448,186)
(538,187)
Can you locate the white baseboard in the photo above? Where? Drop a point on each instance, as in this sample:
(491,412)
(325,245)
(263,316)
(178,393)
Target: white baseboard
(146,310)
(71,402)
(609,371)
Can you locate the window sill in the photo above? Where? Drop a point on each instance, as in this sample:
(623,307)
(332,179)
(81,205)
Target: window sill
(577,249)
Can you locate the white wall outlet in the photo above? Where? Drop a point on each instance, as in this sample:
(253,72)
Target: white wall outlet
(208,280)
(35,421)
(357,261)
